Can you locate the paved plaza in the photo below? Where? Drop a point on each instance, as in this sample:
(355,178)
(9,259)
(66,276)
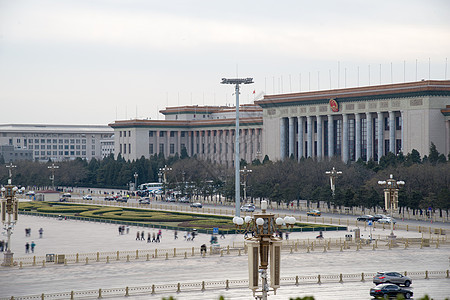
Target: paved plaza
(70,236)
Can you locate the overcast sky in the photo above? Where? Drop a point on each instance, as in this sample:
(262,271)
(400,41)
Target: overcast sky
(93,62)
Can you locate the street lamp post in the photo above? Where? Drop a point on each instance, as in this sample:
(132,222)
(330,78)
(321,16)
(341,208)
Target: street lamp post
(237,82)
(136,175)
(9,213)
(264,248)
(333,175)
(52,177)
(10,167)
(163,172)
(391,187)
(245,172)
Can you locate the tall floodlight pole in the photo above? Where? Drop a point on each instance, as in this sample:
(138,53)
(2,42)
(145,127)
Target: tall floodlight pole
(237,181)
(391,187)
(10,167)
(52,178)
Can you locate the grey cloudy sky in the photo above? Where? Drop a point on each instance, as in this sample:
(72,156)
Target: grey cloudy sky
(92,62)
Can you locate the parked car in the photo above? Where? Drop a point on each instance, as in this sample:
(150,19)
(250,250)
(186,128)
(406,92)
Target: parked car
(379,216)
(250,207)
(122,199)
(365,218)
(110,198)
(171,199)
(314,213)
(184,200)
(144,200)
(387,221)
(64,197)
(197,205)
(30,193)
(392,277)
(87,197)
(390,290)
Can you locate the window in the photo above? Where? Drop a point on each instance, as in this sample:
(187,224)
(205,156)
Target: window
(36,153)
(54,147)
(66,141)
(42,147)
(161,148)
(60,147)
(161,134)
(72,153)
(30,147)
(72,147)
(60,141)
(60,152)
(55,141)
(49,141)
(93,153)
(172,148)
(129,148)
(150,149)
(398,123)
(77,153)
(42,153)
(30,141)
(83,141)
(77,141)
(120,133)
(124,134)
(83,153)
(42,141)
(120,151)
(83,147)
(124,148)
(172,134)
(36,141)
(386,124)
(66,153)
(49,146)
(129,133)
(77,147)
(183,134)
(150,133)
(183,146)
(66,146)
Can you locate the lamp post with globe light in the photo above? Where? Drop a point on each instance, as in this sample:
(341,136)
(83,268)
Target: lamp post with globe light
(264,248)
(163,172)
(9,215)
(245,172)
(391,187)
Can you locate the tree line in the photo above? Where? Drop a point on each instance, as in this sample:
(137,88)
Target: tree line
(427,178)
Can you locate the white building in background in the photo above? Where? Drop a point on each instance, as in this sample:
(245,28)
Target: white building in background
(352,123)
(205,131)
(107,146)
(58,142)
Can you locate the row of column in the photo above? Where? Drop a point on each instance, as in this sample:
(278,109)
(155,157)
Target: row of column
(330,135)
(200,143)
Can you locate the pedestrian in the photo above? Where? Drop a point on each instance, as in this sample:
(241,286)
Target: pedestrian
(138,236)
(143,236)
(41,231)
(222,235)
(32,246)
(287,235)
(158,238)
(175,235)
(2,244)
(160,234)
(148,238)
(203,249)
(27,248)
(120,230)
(153,237)
(128,229)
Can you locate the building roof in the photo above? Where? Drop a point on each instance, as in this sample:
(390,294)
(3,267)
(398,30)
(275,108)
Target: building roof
(195,109)
(55,128)
(187,124)
(410,89)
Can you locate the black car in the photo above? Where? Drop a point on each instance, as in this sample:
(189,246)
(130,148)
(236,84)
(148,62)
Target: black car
(365,218)
(389,290)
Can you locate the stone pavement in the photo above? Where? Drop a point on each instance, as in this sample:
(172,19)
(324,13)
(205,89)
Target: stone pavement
(70,236)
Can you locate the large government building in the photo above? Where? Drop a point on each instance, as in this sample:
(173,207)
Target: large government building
(42,142)
(352,123)
(207,132)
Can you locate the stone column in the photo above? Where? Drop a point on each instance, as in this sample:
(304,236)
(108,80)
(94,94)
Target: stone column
(369,135)
(157,142)
(300,137)
(357,136)
(319,137)
(194,142)
(380,135)
(402,113)
(167,145)
(309,136)
(291,136)
(345,150)
(330,136)
(282,139)
(179,142)
(392,132)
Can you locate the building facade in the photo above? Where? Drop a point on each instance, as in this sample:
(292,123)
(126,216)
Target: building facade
(57,142)
(12,154)
(353,123)
(207,132)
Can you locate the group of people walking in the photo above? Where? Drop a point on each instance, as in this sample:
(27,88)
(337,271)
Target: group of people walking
(28,246)
(151,237)
(32,245)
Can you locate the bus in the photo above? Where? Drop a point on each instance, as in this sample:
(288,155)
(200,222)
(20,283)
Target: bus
(151,187)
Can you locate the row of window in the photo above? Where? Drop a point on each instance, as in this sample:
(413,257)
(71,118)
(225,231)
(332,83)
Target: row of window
(55,153)
(123,148)
(54,147)
(208,148)
(124,133)
(398,124)
(183,133)
(53,141)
